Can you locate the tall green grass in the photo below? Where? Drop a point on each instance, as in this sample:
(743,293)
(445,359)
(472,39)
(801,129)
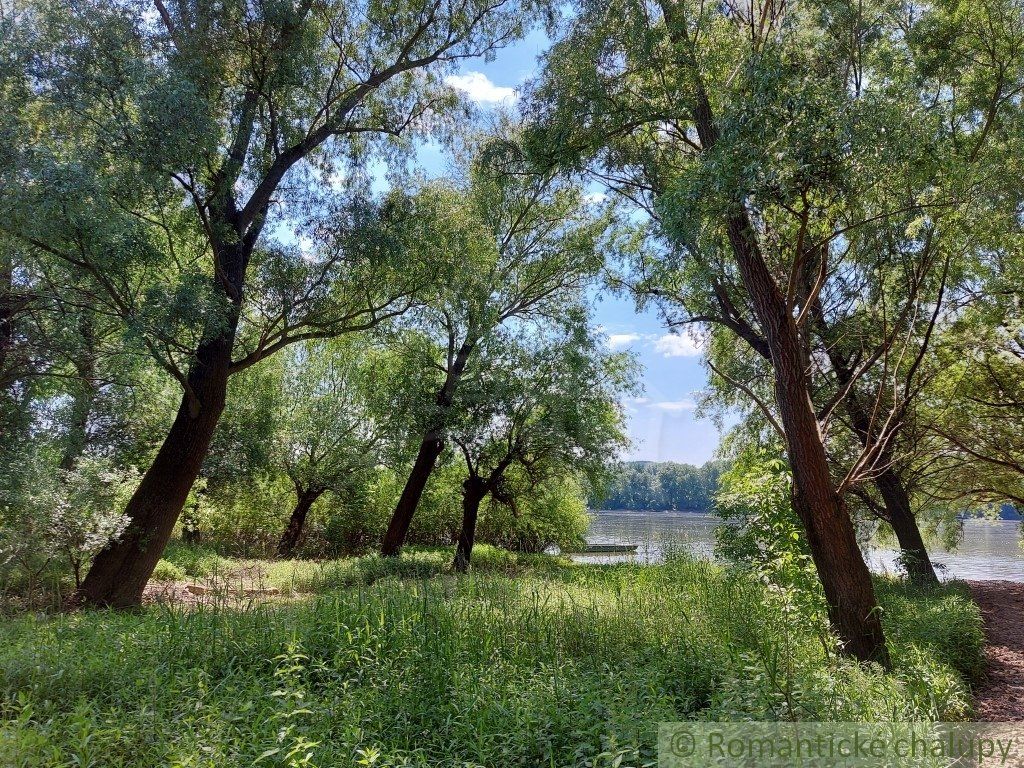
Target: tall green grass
(551,666)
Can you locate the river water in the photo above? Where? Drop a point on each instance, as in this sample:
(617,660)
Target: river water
(989,549)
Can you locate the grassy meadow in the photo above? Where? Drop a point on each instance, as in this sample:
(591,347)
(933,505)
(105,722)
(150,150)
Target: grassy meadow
(528,661)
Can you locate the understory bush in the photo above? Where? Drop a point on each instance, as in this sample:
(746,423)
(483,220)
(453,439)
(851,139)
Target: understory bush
(558,665)
(53,524)
(552,515)
(248,521)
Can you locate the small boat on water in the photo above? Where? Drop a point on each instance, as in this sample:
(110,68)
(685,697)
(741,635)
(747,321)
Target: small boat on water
(606,549)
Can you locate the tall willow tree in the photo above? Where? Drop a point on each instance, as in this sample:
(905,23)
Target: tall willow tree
(173,142)
(327,441)
(788,156)
(520,246)
(546,407)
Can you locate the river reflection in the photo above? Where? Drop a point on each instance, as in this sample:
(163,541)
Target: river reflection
(989,550)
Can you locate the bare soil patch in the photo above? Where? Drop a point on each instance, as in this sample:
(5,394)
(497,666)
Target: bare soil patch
(1000,696)
(240,586)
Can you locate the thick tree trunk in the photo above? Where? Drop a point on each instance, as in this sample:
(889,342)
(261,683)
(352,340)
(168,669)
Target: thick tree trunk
(473,492)
(292,534)
(845,579)
(401,519)
(119,573)
(853,610)
(426,458)
(901,517)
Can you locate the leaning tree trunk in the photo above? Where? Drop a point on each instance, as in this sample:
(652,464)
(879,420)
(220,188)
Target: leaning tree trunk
(119,573)
(853,610)
(401,519)
(426,458)
(473,492)
(846,581)
(292,534)
(904,524)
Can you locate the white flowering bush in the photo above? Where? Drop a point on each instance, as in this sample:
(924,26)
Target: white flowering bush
(56,520)
(86,511)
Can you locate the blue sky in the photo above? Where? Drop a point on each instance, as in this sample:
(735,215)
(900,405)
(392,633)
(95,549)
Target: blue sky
(662,422)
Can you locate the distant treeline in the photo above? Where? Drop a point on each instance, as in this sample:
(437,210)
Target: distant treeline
(651,485)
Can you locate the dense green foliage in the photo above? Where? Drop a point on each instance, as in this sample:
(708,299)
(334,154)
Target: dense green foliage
(822,198)
(561,666)
(654,485)
(232,522)
(237,323)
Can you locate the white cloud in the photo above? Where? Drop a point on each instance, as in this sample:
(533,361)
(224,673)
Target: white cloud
(479,88)
(633,404)
(676,345)
(620,340)
(595,198)
(675,406)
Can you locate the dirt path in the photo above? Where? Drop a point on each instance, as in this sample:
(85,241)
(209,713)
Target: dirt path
(1000,697)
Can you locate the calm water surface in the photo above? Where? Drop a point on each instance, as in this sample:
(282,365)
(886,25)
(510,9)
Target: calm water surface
(989,550)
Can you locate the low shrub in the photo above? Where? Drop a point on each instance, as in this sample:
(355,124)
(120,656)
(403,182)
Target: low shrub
(166,571)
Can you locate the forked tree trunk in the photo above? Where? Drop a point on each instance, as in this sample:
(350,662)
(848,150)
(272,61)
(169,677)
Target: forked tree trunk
(473,492)
(292,534)
(401,518)
(120,571)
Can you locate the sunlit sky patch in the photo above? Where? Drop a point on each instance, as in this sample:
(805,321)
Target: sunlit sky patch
(662,423)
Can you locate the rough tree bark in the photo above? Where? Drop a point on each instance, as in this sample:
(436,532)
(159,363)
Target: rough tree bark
(474,489)
(119,572)
(846,581)
(426,458)
(292,534)
(853,609)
